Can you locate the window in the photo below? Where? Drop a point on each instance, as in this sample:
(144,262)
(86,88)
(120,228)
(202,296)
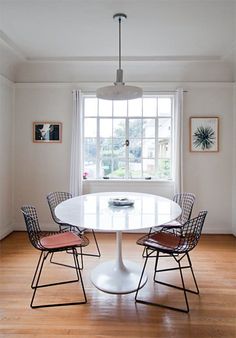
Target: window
(129,139)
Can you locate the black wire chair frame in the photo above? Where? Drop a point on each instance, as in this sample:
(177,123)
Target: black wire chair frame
(36,237)
(186,201)
(177,245)
(54,198)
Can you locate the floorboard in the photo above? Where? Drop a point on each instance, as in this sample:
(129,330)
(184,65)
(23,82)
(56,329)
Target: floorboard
(212,314)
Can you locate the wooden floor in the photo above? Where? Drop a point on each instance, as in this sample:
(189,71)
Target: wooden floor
(212,314)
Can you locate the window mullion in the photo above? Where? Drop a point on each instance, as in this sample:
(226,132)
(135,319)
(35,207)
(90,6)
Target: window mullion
(142,175)
(112,143)
(98,157)
(172,136)
(126,148)
(156,145)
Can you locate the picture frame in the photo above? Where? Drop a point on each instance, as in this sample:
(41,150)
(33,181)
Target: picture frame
(47,132)
(204,134)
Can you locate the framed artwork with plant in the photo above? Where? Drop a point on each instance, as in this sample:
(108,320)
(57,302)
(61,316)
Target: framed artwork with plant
(204,134)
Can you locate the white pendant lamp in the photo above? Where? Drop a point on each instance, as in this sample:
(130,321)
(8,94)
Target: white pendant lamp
(119,91)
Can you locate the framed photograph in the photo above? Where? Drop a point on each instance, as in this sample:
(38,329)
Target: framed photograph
(47,132)
(204,134)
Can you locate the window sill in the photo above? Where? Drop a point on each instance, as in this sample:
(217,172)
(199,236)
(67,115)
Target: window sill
(126,180)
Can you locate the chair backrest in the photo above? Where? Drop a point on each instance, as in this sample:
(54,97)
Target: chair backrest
(191,232)
(32,225)
(186,201)
(54,198)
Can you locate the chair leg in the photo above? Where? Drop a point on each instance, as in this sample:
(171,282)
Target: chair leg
(79,275)
(156,263)
(178,268)
(67,265)
(144,249)
(194,278)
(38,272)
(97,246)
(183,288)
(81,258)
(40,267)
(98,254)
(140,280)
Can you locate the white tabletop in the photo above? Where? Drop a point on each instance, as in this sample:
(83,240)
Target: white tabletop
(92,211)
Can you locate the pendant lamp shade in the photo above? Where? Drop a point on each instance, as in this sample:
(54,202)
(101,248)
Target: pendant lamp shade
(119,91)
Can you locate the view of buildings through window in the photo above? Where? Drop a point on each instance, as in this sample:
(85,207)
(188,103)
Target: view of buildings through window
(129,139)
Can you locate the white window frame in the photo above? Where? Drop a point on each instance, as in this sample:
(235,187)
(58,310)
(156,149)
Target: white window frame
(127,119)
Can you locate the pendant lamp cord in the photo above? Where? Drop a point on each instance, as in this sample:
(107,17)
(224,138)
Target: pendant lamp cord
(119,43)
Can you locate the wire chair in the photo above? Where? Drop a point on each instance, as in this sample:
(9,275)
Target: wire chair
(48,243)
(177,245)
(54,198)
(185,201)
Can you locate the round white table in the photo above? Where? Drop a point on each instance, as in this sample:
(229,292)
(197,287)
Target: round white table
(93,211)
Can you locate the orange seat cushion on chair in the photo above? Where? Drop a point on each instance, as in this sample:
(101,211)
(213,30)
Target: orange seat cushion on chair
(162,240)
(60,240)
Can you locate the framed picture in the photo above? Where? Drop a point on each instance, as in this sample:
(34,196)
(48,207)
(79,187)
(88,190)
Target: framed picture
(204,134)
(47,132)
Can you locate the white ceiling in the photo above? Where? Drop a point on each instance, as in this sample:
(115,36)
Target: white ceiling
(84,29)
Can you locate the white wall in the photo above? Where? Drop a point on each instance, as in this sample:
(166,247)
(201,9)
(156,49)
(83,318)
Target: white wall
(234,134)
(209,175)
(6,155)
(40,168)
(234,165)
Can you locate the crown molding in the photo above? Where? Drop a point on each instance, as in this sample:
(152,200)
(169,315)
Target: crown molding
(6,81)
(154,58)
(148,87)
(230,53)
(170,58)
(11,45)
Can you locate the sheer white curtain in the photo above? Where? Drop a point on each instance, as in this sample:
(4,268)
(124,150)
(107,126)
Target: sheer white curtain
(178,142)
(76,145)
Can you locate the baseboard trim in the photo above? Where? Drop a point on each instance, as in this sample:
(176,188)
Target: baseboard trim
(6,233)
(217,230)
